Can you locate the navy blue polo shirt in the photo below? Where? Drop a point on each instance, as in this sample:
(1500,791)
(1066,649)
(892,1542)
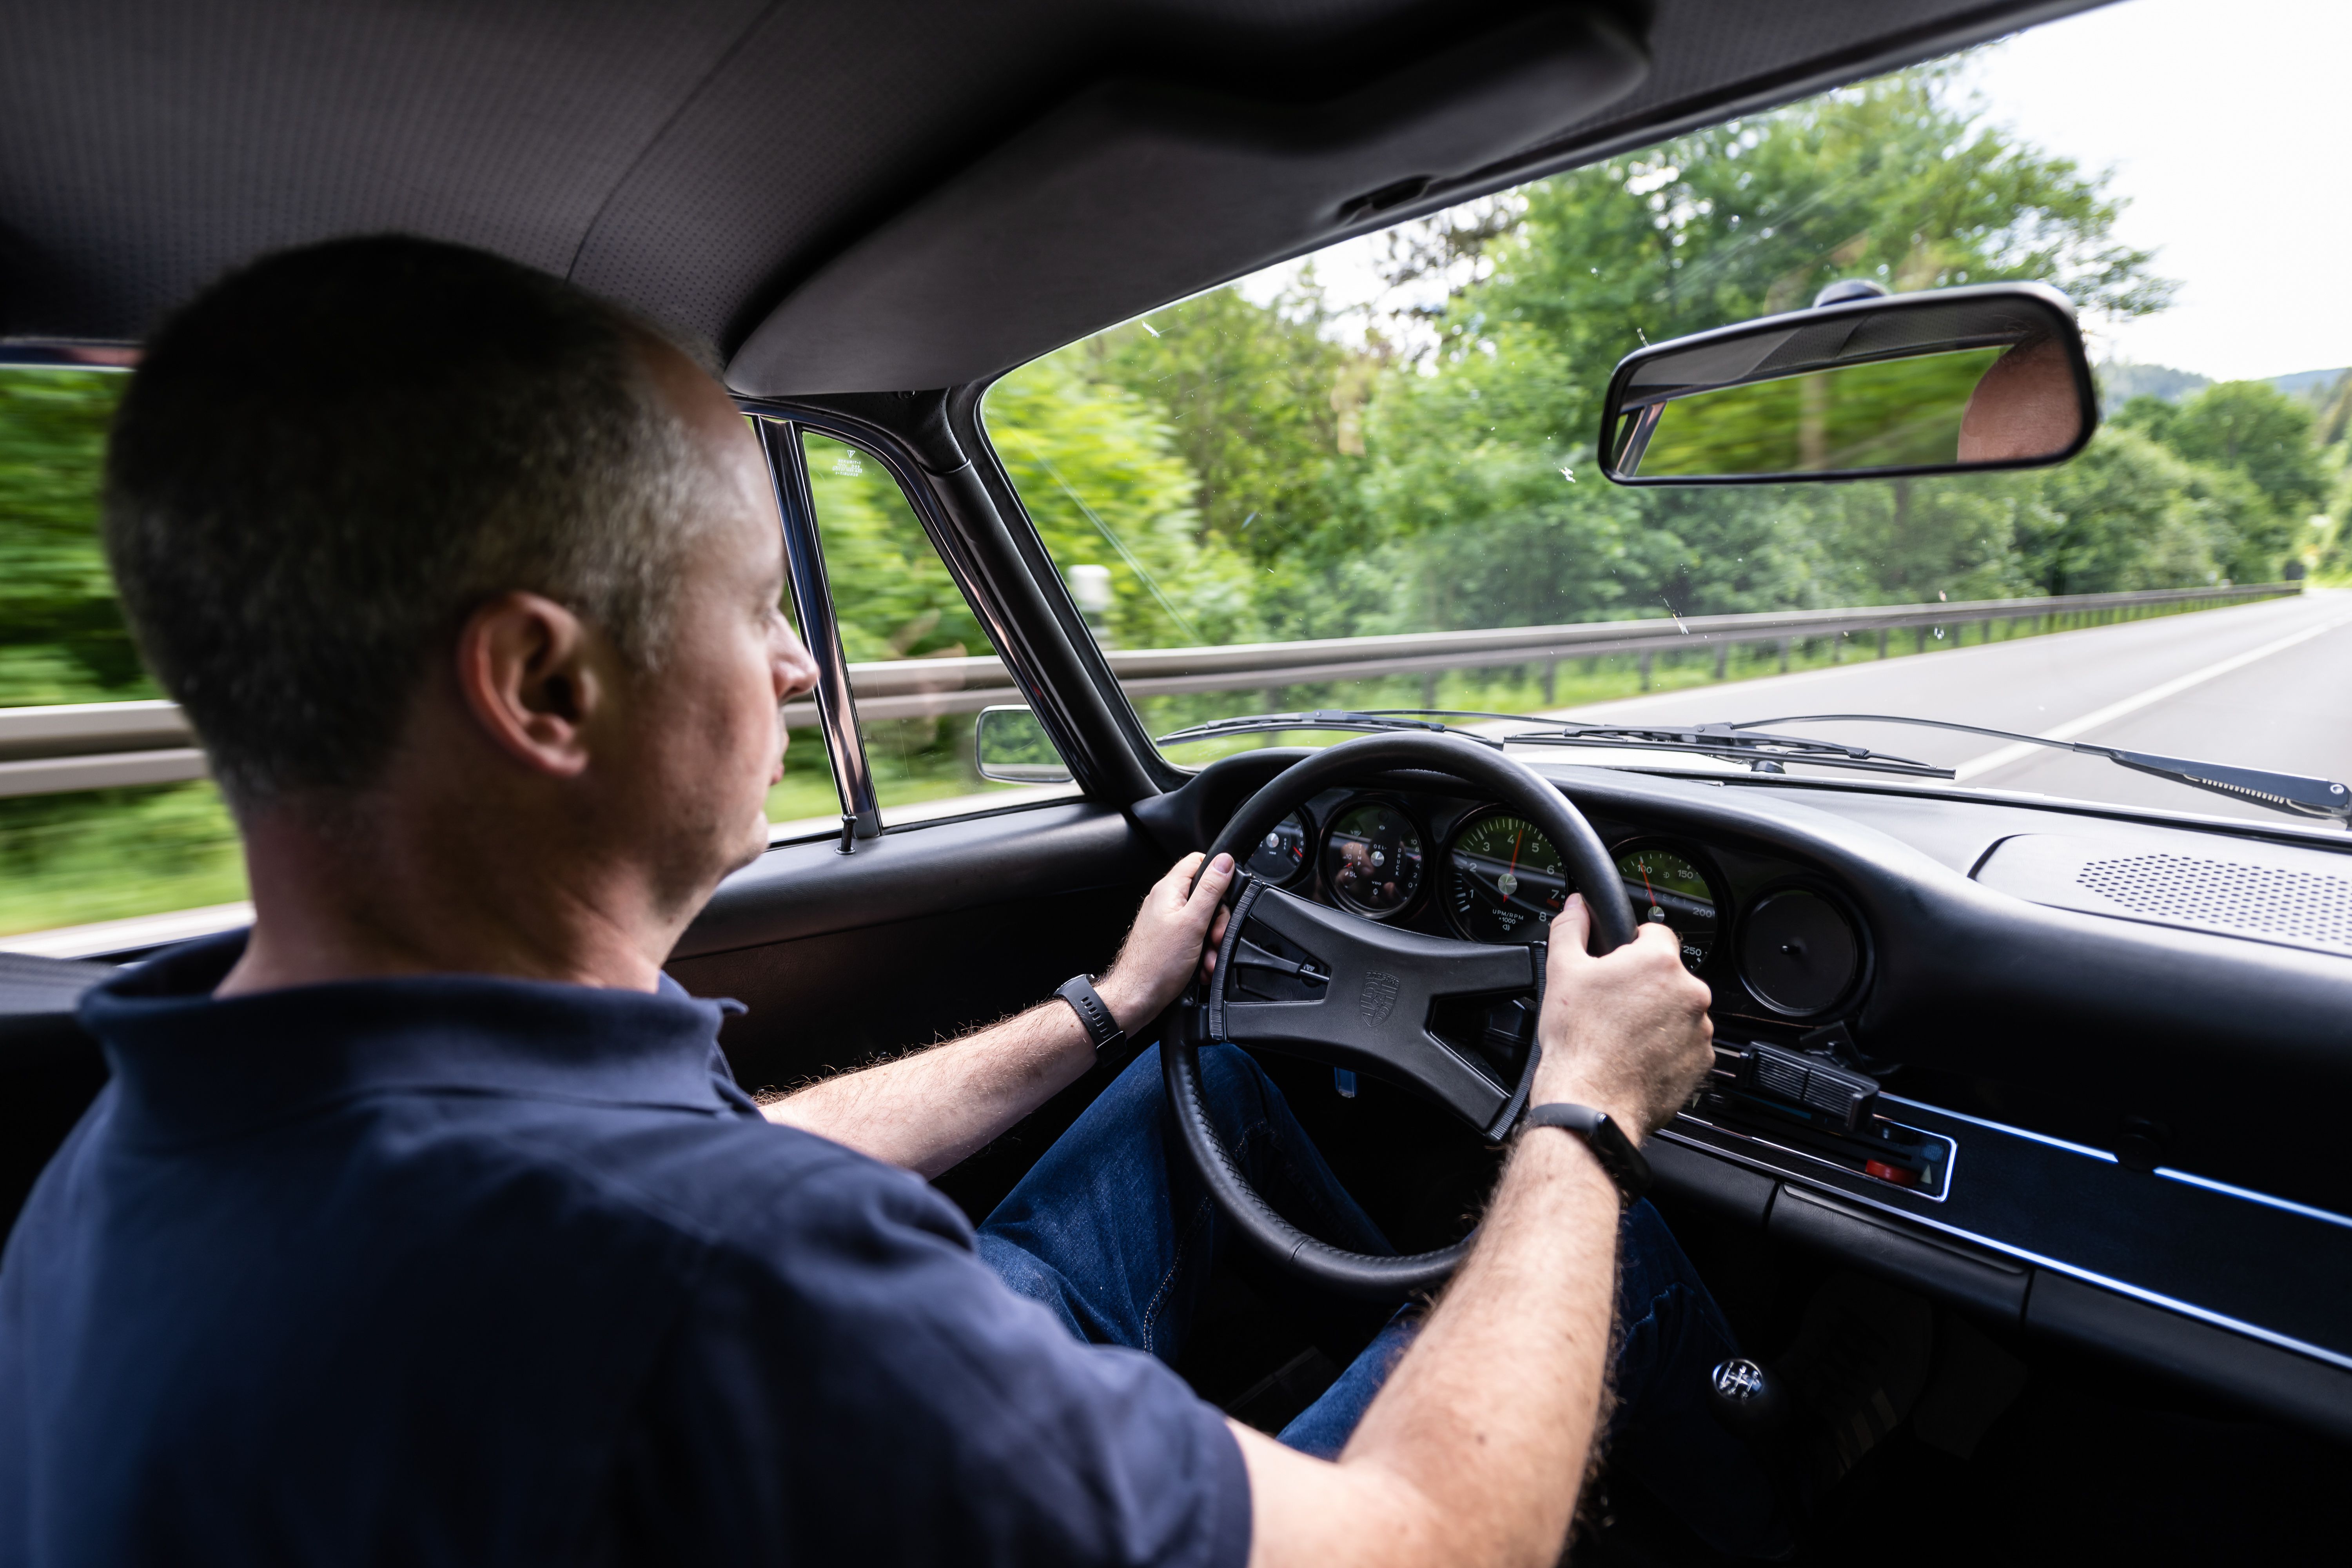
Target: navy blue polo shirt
(470,1271)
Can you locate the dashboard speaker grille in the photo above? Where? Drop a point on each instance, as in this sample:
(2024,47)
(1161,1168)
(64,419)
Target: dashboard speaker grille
(2296,905)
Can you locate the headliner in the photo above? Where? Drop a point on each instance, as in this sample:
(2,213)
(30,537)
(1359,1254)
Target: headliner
(876,196)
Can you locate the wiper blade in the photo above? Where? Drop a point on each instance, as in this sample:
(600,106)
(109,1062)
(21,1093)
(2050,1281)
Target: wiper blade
(2293,793)
(1763,752)
(1366,719)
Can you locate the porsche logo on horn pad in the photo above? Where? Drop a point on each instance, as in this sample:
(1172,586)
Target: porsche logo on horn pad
(1378,999)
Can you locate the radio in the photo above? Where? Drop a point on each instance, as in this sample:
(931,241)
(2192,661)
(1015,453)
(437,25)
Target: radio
(1814,1104)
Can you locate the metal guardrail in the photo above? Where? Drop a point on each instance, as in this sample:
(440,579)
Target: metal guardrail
(101,745)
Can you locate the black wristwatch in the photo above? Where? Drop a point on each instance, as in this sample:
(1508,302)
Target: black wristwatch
(1093,1012)
(1606,1139)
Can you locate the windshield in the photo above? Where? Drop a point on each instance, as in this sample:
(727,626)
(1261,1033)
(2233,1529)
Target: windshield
(1367,481)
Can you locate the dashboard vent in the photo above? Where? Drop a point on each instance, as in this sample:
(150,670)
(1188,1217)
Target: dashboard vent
(2295,906)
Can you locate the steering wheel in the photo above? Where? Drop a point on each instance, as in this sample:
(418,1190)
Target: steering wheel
(1362,993)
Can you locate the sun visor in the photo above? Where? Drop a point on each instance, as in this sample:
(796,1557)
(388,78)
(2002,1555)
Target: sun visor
(1135,193)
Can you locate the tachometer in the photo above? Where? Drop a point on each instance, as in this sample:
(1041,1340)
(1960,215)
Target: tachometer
(1669,888)
(1504,879)
(1372,858)
(1282,854)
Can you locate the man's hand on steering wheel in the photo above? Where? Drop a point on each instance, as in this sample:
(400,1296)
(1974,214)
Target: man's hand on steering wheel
(1163,947)
(1626,1033)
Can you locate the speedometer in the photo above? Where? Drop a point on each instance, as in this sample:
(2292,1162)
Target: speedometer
(1668,889)
(1504,879)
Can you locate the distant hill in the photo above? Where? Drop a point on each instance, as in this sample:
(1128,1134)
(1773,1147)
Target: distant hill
(2120,381)
(2310,384)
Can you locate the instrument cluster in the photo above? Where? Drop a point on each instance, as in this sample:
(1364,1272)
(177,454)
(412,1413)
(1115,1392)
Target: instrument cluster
(1483,873)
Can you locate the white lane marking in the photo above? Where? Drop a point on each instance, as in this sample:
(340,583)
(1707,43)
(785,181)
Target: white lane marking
(2018,751)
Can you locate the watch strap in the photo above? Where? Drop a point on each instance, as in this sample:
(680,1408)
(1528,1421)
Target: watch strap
(1093,1012)
(1607,1141)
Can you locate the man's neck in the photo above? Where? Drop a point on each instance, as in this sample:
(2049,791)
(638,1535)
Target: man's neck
(420,892)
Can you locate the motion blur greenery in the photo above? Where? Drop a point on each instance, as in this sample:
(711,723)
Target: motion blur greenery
(1890,413)
(1274,469)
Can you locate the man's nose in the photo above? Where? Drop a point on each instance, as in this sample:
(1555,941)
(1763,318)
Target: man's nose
(795,668)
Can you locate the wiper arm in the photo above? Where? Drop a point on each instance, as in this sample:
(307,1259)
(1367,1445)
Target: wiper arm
(1370,720)
(2290,792)
(1765,754)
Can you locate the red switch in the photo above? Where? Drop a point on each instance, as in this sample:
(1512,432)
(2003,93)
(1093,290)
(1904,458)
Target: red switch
(1898,1175)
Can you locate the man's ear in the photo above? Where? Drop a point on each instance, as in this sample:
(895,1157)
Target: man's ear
(537,679)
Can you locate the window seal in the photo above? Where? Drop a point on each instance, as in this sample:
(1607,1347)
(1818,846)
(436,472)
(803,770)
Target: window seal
(837,709)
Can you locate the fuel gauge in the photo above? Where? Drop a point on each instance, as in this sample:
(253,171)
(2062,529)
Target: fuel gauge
(1667,887)
(1281,855)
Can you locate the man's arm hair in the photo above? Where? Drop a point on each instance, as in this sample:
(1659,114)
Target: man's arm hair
(931,1109)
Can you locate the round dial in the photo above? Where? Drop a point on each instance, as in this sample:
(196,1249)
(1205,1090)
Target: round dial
(1504,881)
(1799,952)
(1281,855)
(1670,889)
(1372,858)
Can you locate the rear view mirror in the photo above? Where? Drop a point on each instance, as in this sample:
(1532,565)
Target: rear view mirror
(1946,382)
(1010,746)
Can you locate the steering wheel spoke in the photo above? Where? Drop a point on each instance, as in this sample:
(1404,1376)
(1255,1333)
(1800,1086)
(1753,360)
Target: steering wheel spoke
(1296,977)
(1360,996)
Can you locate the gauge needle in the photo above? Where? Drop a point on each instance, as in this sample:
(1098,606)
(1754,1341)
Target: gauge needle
(1655,913)
(1508,883)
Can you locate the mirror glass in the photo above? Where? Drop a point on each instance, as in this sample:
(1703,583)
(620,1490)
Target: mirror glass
(1010,746)
(1908,383)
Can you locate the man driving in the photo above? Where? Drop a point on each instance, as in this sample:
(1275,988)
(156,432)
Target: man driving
(424,1220)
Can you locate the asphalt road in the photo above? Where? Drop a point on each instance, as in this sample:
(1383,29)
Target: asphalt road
(2262,685)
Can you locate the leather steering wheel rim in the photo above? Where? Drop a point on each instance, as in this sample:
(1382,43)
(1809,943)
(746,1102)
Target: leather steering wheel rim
(1518,788)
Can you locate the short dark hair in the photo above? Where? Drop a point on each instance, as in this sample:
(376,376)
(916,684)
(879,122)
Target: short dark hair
(330,458)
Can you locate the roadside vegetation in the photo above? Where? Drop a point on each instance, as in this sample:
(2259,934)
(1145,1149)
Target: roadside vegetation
(1251,467)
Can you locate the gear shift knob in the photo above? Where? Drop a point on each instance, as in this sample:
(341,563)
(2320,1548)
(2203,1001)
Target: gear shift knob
(1748,1398)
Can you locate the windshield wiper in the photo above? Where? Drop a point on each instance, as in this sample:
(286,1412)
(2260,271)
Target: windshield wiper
(1372,719)
(2290,792)
(1763,752)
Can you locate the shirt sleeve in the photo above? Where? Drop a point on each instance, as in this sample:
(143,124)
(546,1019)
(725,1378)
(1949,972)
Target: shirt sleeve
(851,1384)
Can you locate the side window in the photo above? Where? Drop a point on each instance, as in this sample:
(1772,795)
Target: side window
(152,836)
(921,666)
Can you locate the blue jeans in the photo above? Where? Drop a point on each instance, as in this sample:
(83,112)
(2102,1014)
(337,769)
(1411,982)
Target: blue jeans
(1113,1231)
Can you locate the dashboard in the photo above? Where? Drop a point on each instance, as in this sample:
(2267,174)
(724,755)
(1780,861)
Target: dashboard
(2016,1053)
(1777,942)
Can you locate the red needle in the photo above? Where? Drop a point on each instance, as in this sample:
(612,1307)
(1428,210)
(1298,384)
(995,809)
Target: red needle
(1646,885)
(1516,840)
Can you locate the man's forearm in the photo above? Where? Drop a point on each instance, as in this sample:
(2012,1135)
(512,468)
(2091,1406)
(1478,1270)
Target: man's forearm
(929,1111)
(1474,1448)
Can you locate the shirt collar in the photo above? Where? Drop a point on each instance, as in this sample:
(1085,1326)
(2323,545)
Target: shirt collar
(190,1064)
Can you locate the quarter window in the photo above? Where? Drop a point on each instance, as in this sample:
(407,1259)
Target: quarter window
(921,667)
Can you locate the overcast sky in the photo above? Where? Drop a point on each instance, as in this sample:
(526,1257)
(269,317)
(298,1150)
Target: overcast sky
(2226,127)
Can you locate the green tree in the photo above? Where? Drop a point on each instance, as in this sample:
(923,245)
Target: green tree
(1255,401)
(1099,475)
(2251,428)
(2130,513)
(1897,180)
